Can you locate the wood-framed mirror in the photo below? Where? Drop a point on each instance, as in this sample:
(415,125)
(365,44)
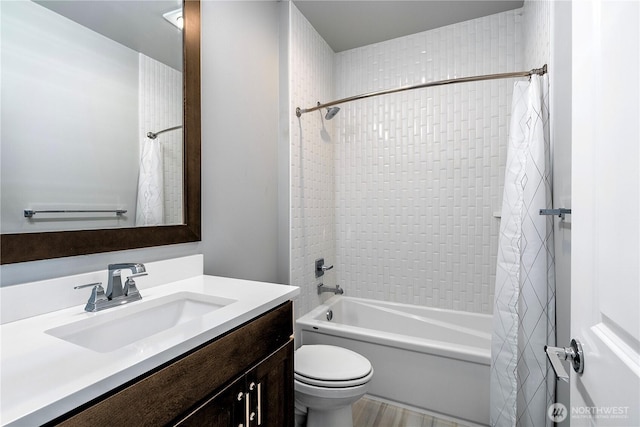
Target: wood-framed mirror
(23,247)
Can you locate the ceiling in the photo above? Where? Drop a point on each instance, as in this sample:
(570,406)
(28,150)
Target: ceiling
(344,24)
(137,24)
(347,24)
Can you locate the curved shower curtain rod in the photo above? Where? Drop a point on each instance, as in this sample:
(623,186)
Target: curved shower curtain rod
(538,71)
(154,135)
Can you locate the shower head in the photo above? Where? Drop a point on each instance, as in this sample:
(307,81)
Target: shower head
(331,112)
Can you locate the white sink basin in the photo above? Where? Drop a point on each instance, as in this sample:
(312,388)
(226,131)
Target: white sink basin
(110,330)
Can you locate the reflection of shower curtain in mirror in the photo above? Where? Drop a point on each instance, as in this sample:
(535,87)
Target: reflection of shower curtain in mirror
(150,205)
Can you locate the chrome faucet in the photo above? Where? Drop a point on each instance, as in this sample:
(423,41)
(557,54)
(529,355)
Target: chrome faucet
(337,290)
(116,294)
(321,268)
(114,285)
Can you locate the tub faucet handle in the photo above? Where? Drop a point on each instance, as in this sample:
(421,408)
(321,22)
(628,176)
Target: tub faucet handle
(321,267)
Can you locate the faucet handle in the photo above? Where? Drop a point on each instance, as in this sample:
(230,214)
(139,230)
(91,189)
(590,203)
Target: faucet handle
(130,288)
(88,285)
(97,295)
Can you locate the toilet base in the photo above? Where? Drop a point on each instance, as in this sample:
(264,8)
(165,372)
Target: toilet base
(300,413)
(338,417)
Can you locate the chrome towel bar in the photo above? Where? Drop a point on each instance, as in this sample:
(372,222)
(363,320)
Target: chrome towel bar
(29,213)
(560,212)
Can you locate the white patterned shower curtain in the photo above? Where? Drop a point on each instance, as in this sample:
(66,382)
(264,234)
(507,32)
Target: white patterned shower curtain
(150,205)
(522,383)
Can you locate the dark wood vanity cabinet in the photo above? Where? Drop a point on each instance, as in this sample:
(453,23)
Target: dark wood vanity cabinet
(244,378)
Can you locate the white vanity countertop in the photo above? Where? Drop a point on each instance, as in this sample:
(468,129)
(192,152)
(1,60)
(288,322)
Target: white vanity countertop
(43,377)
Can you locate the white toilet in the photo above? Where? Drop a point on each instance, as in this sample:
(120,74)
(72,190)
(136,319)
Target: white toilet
(328,380)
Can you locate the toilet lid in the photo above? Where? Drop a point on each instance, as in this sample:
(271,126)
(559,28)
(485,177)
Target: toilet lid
(327,363)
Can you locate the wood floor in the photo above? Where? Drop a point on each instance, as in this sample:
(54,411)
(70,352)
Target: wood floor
(372,413)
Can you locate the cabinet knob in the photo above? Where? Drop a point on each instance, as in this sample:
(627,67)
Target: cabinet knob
(252,386)
(252,416)
(240,396)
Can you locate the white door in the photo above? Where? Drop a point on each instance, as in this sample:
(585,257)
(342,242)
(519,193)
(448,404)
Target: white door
(605,280)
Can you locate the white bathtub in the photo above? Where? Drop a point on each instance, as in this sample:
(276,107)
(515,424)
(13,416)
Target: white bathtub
(433,359)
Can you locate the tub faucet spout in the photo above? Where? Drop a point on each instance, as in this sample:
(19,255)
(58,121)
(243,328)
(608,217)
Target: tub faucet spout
(337,290)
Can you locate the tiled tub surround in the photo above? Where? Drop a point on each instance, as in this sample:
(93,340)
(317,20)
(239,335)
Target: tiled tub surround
(417,175)
(312,162)
(36,389)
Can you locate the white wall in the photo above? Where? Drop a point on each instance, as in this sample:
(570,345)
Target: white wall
(240,131)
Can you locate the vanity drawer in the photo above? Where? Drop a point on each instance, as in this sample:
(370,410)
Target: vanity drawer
(176,388)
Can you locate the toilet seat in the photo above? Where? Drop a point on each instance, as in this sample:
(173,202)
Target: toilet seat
(331,367)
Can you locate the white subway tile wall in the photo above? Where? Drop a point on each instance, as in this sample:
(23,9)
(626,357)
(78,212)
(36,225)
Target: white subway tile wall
(536,27)
(312,162)
(160,107)
(419,174)
(399,192)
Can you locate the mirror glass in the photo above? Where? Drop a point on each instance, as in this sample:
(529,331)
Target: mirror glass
(43,149)
(83,82)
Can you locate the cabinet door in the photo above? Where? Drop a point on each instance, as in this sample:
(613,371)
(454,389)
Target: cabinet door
(226,409)
(262,397)
(272,394)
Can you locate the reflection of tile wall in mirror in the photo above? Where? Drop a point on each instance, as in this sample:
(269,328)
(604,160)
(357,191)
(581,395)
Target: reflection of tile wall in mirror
(161,108)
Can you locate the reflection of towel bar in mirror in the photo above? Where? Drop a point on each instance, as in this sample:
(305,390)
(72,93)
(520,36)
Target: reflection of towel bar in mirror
(29,213)
(154,135)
